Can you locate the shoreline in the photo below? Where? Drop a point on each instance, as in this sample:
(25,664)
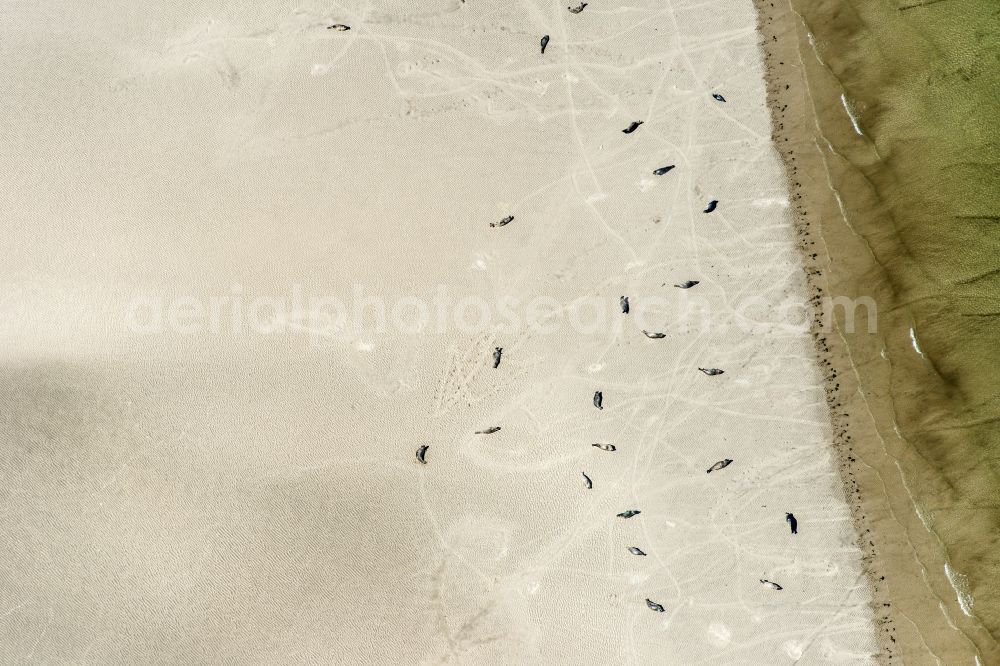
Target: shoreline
(922,615)
(250,489)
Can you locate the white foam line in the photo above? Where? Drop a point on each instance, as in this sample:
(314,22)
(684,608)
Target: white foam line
(850,114)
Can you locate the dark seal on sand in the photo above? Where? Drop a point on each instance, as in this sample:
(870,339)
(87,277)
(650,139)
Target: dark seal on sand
(790,518)
(718,97)
(488,431)
(497,353)
(635,551)
(545,42)
(719,465)
(711,206)
(598,399)
(629,513)
(654,336)
(577,9)
(663,170)
(655,606)
(421,452)
(773,586)
(687,285)
(633,127)
(623,302)
(712,372)
(605,447)
(587,481)
(339,27)
(504,222)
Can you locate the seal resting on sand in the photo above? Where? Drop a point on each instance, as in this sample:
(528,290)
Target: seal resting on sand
(718,97)
(545,42)
(687,285)
(598,399)
(339,27)
(773,586)
(623,301)
(633,127)
(712,372)
(719,465)
(635,551)
(711,206)
(587,481)
(654,336)
(655,606)
(629,513)
(488,431)
(605,447)
(790,518)
(504,222)
(421,452)
(663,170)
(497,353)
(577,9)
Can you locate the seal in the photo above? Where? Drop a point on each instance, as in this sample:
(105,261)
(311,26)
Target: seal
(687,285)
(421,452)
(577,9)
(711,206)
(504,222)
(718,97)
(587,481)
(545,42)
(623,301)
(598,399)
(719,465)
(629,513)
(488,431)
(712,372)
(633,127)
(655,606)
(653,336)
(497,353)
(635,551)
(790,519)
(773,586)
(606,447)
(663,170)
(339,27)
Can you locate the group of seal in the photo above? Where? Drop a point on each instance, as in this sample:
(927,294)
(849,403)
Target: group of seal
(625,307)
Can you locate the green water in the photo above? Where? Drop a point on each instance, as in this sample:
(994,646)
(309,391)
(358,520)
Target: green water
(923,83)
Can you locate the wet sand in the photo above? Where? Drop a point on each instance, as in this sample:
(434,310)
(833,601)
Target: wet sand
(920,487)
(214,494)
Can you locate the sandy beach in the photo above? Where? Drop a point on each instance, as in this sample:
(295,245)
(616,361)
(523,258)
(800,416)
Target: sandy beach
(251,269)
